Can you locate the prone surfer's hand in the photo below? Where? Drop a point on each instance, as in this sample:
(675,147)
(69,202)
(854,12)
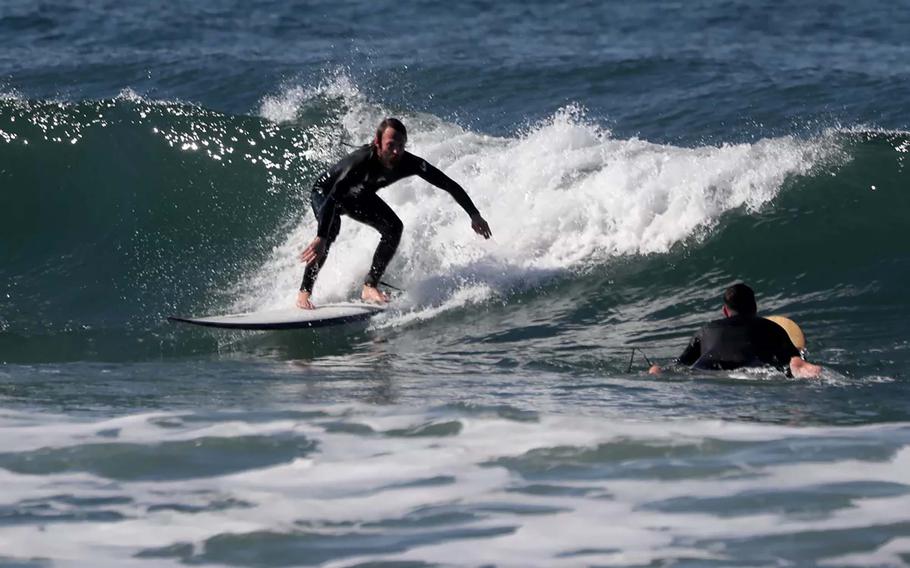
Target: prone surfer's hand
(480,226)
(314,251)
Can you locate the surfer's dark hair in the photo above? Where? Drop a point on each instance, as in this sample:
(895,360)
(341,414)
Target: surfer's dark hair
(392,123)
(740,298)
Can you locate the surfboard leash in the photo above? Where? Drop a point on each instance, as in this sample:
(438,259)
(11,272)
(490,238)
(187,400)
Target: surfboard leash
(632,358)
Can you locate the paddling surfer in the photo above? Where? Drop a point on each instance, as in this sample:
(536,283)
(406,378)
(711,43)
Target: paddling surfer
(349,188)
(743,339)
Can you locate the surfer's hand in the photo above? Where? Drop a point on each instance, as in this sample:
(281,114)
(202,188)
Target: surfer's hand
(314,251)
(654,370)
(480,226)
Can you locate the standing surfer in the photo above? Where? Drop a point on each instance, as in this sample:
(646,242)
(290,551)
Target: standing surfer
(349,188)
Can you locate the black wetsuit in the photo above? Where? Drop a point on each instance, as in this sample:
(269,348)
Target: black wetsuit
(739,341)
(350,187)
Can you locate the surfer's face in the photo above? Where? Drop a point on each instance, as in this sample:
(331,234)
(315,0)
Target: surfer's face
(390,147)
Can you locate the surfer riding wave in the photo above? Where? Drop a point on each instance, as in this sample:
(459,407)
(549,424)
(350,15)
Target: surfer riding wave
(350,188)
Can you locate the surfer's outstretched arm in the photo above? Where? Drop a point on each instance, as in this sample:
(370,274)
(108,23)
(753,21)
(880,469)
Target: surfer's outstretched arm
(431,174)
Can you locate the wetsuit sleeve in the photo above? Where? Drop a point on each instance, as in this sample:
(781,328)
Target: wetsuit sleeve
(333,185)
(692,352)
(431,174)
(325,185)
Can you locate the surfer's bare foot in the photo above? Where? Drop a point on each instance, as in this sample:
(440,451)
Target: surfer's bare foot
(803,369)
(303,301)
(374,295)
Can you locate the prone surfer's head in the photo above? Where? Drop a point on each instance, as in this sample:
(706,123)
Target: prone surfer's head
(391,137)
(739,299)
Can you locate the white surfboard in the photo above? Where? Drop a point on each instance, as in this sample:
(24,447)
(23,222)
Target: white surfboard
(289,318)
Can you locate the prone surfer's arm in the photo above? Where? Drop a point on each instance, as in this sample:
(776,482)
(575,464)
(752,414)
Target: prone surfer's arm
(688,357)
(691,353)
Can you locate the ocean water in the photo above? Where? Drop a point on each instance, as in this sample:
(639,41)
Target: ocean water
(632,159)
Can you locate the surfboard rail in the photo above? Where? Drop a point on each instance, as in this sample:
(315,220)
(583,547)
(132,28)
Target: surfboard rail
(289,318)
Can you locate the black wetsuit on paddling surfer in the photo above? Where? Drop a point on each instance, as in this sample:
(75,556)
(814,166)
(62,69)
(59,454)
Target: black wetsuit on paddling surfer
(349,188)
(743,339)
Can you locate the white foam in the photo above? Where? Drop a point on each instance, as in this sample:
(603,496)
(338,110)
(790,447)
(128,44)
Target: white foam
(564,195)
(361,478)
(128,94)
(893,553)
(284,106)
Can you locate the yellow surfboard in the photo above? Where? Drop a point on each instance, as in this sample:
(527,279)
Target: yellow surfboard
(793,330)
